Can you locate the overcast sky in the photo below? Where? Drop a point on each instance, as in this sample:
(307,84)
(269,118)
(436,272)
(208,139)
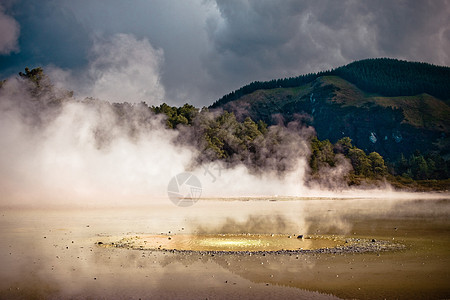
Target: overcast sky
(195,51)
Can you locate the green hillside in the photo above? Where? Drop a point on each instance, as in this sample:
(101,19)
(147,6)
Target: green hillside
(328,121)
(421,111)
(389,115)
(384,76)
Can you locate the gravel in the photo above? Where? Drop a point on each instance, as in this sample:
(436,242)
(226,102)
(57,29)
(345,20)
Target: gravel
(352,245)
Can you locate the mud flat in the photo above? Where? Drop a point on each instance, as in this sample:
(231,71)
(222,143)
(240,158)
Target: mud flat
(394,249)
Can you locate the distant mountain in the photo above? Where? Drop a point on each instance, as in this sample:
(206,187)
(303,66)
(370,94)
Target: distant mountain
(385,105)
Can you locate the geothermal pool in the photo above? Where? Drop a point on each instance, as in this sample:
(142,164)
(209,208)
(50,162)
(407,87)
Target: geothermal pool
(251,244)
(229,249)
(224,242)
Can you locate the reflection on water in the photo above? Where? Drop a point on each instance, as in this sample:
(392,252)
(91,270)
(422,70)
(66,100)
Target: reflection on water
(53,253)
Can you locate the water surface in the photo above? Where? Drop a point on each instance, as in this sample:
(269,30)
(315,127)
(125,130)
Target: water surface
(52,253)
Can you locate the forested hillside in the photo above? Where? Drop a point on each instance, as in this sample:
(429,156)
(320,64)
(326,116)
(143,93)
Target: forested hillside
(270,130)
(383,76)
(395,108)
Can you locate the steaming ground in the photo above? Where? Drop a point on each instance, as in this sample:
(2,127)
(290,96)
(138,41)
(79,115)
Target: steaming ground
(73,172)
(81,153)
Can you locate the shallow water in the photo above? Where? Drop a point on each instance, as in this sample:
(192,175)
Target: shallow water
(52,253)
(226,242)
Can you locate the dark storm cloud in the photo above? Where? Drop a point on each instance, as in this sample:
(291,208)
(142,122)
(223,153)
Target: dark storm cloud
(415,30)
(208,48)
(271,39)
(64,33)
(175,27)
(49,34)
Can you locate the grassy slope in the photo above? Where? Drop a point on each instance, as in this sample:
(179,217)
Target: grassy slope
(275,96)
(424,111)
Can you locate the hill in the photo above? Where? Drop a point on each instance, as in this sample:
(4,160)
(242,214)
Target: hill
(336,108)
(385,76)
(389,106)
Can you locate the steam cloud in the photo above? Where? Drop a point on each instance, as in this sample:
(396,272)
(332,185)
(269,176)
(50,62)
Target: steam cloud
(71,152)
(83,153)
(121,68)
(9,33)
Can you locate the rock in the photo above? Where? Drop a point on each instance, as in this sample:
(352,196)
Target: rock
(99,243)
(300,236)
(373,240)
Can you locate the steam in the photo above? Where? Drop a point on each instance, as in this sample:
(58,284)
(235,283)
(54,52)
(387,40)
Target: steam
(9,33)
(81,153)
(253,224)
(121,68)
(57,150)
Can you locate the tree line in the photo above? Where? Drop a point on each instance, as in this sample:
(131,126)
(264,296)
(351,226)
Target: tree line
(423,167)
(220,136)
(217,135)
(384,76)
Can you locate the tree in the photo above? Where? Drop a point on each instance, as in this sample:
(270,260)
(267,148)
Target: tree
(378,166)
(360,162)
(189,112)
(262,127)
(40,87)
(322,154)
(248,131)
(182,115)
(343,145)
(36,75)
(419,167)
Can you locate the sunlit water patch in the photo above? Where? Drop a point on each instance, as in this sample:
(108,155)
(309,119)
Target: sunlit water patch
(249,243)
